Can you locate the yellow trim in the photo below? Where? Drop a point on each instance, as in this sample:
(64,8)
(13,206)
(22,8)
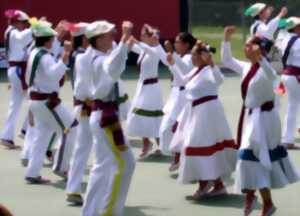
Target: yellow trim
(118,176)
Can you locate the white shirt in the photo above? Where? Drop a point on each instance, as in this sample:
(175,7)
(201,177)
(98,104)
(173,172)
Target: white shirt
(84,75)
(149,58)
(107,69)
(48,74)
(265,29)
(260,88)
(18,42)
(294,56)
(184,64)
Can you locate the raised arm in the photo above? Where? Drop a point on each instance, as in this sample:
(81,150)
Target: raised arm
(184,63)
(226,56)
(24,36)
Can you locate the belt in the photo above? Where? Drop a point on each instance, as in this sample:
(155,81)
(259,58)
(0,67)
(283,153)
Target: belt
(266,107)
(22,65)
(100,105)
(42,96)
(204,100)
(150,81)
(292,71)
(17,63)
(86,106)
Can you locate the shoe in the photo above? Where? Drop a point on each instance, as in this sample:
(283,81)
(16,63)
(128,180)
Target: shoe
(49,155)
(199,194)
(63,175)
(268,210)
(22,134)
(24,162)
(292,146)
(37,180)
(75,199)
(9,144)
(249,205)
(217,192)
(173,167)
(145,151)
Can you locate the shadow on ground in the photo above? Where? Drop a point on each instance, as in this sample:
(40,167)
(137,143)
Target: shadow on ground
(138,210)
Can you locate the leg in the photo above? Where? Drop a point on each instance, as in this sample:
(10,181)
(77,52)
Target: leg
(268,206)
(249,201)
(146,147)
(80,158)
(126,179)
(17,96)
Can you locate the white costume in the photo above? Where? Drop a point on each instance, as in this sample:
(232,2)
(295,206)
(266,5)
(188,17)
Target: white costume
(263,161)
(292,84)
(207,148)
(43,76)
(111,174)
(83,146)
(144,118)
(17,42)
(175,102)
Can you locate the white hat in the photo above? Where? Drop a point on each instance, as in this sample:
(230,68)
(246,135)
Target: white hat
(289,23)
(16,14)
(98,28)
(77,29)
(42,28)
(255,9)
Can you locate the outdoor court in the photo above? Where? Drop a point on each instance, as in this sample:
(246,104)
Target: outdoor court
(153,191)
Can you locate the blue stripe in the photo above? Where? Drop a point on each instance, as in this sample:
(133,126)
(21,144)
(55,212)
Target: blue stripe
(276,154)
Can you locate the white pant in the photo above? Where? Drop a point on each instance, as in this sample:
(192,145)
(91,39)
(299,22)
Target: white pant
(290,123)
(27,147)
(110,177)
(83,147)
(45,124)
(166,134)
(15,105)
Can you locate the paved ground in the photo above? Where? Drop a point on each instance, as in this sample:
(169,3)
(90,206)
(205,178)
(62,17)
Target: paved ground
(153,192)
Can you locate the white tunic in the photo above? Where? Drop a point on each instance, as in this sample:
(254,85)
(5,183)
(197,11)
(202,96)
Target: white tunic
(266,29)
(261,131)
(18,42)
(48,73)
(148,98)
(203,135)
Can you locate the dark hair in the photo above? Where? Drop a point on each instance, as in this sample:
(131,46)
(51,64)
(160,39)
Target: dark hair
(77,41)
(264,44)
(4,211)
(203,47)
(188,38)
(256,17)
(40,41)
(93,41)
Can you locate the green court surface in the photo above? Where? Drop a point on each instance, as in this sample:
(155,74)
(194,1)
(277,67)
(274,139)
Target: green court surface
(153,192)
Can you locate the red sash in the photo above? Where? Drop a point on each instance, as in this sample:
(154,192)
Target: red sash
(244,89)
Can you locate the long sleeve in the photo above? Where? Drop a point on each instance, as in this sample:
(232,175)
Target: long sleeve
(136,49)
(268,69)
(229,62)
(182,79)
(24,36)
(82,87)
(115,64)
(54,70)
(217,75)
(184,64)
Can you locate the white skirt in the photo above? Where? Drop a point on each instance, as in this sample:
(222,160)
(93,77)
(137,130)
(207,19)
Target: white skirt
(208,149)
(145,116)
(251,174)
(172,109)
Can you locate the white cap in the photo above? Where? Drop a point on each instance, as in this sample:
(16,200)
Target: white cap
(77,29)
(42,28)
(255,9)
(291,22)
(16,14)
(98,28)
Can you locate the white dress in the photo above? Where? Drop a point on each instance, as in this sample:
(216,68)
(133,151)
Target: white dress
(175,102)
(263,162)
(146,113)
(207,147)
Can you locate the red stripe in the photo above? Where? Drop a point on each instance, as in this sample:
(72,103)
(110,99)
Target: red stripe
(208,151)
